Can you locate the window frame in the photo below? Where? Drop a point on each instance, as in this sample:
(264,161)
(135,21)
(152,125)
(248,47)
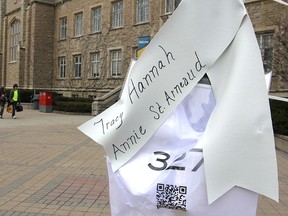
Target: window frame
(266,46)
(142,11)
(116,63)
(117,14)
(77,63)
(96,19)
(15,39)
(63,28)
(62,67)
(95,65)
(171,5)
(135,53)
(78,24)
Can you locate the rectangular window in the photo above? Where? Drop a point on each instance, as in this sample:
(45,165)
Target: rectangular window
(142,11)
(116,63)
(135,52)
(96,19)
(78,24)
(63,28)
(171,5)
(95,65)
(77,60)
(265,42)
(15,38)
(117,14)
(62,67)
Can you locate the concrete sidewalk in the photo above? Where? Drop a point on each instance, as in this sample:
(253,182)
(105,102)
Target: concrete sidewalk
(48,167)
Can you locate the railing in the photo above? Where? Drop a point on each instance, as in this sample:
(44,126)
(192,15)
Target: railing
(102,103)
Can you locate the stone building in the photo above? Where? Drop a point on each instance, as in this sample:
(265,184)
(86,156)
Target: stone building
(83,48)
(270,23)
(27,40)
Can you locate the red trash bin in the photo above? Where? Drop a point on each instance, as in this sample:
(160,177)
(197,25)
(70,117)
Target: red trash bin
(45,102)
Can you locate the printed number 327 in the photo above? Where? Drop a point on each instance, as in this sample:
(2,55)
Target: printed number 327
(164,157)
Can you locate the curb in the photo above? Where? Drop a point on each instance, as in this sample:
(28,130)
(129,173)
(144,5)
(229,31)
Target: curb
(281,142)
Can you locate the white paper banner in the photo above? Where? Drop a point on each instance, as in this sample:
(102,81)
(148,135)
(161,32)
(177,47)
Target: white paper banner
(202,36)
(172,64)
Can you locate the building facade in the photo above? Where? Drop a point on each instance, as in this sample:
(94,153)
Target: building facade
(84,48)
(27,40)
(270,23)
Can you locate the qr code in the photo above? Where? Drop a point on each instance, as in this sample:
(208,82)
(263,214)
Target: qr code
(171,196)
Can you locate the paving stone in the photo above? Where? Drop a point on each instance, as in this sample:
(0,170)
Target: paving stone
(46,167)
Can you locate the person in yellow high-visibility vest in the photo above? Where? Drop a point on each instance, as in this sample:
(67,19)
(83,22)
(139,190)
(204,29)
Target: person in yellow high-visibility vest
(14,99)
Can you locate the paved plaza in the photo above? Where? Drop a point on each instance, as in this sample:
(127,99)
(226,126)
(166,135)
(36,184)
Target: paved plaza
(48,167)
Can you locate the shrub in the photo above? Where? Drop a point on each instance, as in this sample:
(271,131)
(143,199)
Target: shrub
(25,95)
(73,106)
(279,113)
(73,99)
(67,104)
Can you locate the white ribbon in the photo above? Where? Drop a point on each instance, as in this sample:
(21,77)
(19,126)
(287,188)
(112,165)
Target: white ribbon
(238,142)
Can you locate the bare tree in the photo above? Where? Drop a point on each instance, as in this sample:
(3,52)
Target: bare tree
(280,55)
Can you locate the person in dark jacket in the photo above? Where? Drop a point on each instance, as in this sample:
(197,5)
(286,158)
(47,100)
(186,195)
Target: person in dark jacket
(3,100)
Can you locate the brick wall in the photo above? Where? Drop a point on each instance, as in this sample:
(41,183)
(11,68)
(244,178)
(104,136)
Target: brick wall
(35,51)
(125,38)
(12,67)
(13,5)
(40,47)
(2,12)
(265,16)
(2,7)
(42,32)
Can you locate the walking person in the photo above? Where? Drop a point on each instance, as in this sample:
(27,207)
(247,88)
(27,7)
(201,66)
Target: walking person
(3,100)
(14,99)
